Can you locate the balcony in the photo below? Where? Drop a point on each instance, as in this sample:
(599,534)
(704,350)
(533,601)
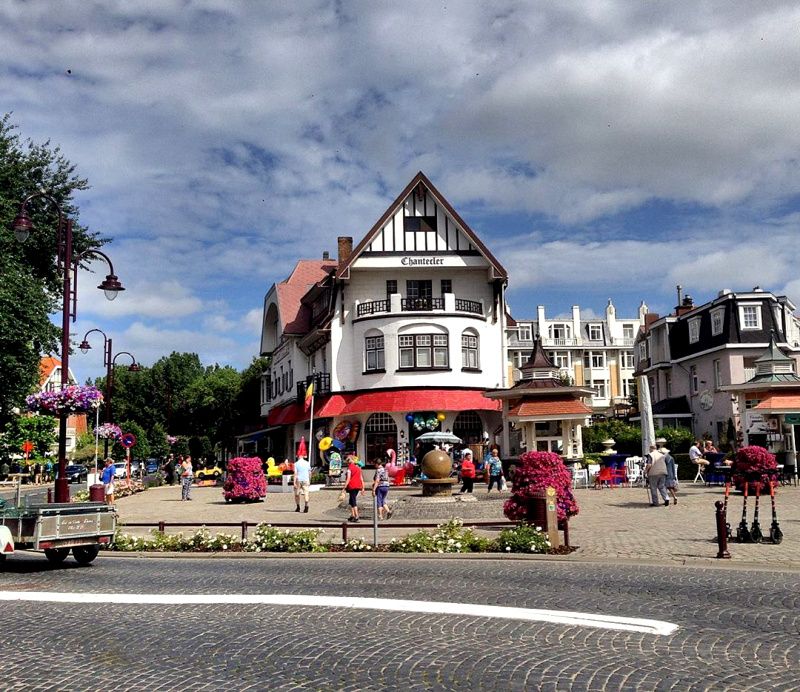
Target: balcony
(322,386)
(568,341)
(395,304)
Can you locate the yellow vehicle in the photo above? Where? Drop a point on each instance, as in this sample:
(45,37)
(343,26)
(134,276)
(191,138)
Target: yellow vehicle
(211,473)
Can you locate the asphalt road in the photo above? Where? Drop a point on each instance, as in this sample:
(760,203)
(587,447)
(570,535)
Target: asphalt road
(737,629)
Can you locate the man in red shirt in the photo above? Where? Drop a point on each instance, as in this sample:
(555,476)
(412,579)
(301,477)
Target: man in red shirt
(467,472)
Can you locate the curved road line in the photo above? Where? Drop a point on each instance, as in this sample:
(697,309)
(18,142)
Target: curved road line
(611,622)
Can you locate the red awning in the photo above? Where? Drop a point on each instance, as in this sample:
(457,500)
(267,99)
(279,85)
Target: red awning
(404,400)
(419,400)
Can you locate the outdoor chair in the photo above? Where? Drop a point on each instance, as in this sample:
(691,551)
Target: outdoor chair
(701,467)
(619,474)
(634,468)
(579,476)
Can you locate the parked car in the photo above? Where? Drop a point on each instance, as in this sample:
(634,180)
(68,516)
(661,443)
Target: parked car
(76,473)
(121,469)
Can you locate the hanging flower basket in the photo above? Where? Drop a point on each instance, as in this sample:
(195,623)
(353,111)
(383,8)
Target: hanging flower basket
(72,399)
(108,431)
(171,439)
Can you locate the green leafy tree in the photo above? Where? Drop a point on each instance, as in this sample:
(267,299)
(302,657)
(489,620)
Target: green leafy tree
(30,289)
(159,447)
(41,430)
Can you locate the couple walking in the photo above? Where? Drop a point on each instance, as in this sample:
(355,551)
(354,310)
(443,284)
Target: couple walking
(662,476)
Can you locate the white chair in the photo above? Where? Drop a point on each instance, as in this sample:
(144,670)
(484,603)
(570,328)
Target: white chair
(701,466)
(579,475)
(634,467)
(593,470)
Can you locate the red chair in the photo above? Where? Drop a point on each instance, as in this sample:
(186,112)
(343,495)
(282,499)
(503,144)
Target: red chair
(619,474)
(605,476)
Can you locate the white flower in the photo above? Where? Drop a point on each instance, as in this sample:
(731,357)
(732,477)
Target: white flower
(508,548)
(224,546)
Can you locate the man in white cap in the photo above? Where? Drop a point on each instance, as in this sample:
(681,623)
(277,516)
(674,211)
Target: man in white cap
(656,469)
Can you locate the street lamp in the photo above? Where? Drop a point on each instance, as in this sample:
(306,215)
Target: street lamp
(68,263)
(108,361)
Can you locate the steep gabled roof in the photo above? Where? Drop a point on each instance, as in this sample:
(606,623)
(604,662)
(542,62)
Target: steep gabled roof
(421,179)
(294,316)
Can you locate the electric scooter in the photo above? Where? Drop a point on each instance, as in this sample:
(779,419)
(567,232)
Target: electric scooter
(743,533)
(755,528)
(775,533)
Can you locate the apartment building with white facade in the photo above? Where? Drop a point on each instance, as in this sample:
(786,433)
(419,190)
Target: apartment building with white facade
(595,353)
(405,329)
(692,357)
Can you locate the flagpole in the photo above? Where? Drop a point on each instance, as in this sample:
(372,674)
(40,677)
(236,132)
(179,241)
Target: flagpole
(311,440)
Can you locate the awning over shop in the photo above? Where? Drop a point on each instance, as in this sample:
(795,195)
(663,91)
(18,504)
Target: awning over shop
(407,400)
(561,406)
(780,403)
(401,400)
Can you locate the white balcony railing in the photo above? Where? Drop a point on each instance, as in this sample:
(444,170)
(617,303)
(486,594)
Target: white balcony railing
(549,341)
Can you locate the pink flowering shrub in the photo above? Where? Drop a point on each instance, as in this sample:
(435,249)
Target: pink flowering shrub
(534,473)
(749,461)
(245,481)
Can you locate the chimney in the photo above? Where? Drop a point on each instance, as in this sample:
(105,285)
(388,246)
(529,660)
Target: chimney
(345,249)
(649,318)
(687,305)
(326,255)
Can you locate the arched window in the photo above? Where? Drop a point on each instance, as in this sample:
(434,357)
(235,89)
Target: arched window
(470,352)
(380,434)
(469,427)
(373,352)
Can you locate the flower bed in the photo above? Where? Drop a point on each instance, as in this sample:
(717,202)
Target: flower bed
(450,537)
(245,480)
(72,399)
(535,472)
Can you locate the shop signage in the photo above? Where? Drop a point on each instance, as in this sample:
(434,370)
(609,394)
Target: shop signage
(755,423)
(422,261)
(792,419)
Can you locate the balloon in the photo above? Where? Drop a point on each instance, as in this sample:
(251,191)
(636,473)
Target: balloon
(440,416)
(410,417)
(338,444)
(325,444)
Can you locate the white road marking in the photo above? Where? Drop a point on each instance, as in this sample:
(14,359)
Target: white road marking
(611,622)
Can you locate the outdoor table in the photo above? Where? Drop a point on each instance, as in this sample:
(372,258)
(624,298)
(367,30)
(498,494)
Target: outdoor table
(718,473)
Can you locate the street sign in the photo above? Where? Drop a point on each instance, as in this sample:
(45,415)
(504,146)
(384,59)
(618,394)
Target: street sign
(127,440)
(27,446)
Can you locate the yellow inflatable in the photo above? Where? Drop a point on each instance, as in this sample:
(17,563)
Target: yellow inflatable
(272,469)
(325,444)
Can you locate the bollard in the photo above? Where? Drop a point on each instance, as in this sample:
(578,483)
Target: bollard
(244,531)
(49,496)
(374,520)
(722,532)
(344,532)
(162,526)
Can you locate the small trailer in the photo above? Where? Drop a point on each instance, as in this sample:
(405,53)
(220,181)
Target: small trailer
(57,528)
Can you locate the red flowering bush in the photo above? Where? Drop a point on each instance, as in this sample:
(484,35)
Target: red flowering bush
(534,473)
(749,462)
(245,481)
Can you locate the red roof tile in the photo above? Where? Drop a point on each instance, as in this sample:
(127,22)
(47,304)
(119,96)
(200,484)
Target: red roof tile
(551,407)
(294,316)
(782,402)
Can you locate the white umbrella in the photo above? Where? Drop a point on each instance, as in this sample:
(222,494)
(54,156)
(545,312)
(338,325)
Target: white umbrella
(646,414)
(438,437)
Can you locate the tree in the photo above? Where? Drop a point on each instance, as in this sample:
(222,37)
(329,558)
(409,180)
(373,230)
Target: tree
(159,447)
(31,286)
(141,450)
(41,430)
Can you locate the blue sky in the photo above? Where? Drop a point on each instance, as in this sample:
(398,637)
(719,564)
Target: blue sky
(601,149)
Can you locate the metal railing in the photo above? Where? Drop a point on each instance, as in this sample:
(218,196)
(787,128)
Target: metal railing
(473,306)
(322,385)
(371,307)
(408,304)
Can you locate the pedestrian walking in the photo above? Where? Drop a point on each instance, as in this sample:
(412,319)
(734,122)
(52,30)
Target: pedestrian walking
(380,489)
(107,478)
(187,476)
(672,474)
(5,469)
(467,472)
(656,469)
(495,470)
(302,479)
(48,471)
(169,469)
(37,473)
(354,485)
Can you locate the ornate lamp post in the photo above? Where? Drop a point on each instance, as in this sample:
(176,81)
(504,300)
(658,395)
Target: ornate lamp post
(68,264)
(108,361)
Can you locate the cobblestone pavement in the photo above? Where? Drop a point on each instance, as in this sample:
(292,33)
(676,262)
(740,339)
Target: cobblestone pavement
(737,628)
(614,524)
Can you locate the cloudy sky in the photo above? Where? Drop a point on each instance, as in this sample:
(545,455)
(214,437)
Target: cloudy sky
(601,149)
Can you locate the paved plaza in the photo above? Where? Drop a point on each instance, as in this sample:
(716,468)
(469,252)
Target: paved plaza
(613,524)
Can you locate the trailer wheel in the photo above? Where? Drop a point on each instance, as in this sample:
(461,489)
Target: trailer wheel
(56,555)
(84,554)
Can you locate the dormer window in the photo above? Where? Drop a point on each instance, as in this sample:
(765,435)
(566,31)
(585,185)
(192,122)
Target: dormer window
(750,316)
(524,332)
(717,321)
(694,330)
(595,332)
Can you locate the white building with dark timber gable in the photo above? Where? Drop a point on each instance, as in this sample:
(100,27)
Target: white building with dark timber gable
(407,324)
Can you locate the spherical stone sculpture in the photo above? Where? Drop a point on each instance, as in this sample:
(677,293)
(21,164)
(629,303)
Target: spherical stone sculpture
(436,464)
